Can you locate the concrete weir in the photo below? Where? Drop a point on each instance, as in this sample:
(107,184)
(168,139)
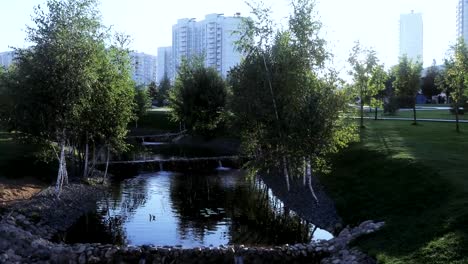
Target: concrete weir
(176,164)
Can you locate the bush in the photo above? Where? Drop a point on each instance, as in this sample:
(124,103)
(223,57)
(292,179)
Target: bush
(391,106)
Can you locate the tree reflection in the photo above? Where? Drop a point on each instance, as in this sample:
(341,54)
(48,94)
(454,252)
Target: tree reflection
(255,216)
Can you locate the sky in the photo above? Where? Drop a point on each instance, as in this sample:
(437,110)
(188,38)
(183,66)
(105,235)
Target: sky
(375,23)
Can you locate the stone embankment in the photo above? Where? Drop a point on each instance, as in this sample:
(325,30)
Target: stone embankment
(26,231)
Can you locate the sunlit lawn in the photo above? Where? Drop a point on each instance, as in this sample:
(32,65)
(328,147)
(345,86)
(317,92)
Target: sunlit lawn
(416,179)
(423,114)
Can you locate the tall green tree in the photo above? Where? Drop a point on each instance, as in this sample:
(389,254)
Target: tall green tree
(288,113)
(165,86)
(71,88)
(152,90)
(198,98)
(142,103)
(364,62)
(408,81)
(429,86)
(456,77)
(377,87)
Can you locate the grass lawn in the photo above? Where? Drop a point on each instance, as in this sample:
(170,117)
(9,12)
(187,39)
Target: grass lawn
(431,114)
(18,160)
(415,178)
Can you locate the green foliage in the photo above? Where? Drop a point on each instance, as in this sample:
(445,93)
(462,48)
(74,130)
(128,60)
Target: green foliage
(279,101)
(70,87)
(142,101)
(162,96)
(198,98)
(407,81)
(152,90)
(407,77)
(455,76)
(369,77)
(429,85)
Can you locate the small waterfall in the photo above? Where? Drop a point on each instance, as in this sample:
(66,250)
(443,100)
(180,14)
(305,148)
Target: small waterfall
(161,168)
(220,166)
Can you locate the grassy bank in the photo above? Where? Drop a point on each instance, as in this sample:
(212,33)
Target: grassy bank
(415,179)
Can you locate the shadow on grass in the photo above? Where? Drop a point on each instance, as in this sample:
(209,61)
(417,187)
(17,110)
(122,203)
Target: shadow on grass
(18,160)
(418,205)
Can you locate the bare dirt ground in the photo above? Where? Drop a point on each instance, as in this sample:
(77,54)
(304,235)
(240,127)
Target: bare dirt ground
(12,191)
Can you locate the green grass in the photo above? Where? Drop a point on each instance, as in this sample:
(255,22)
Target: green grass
(17,160)
(415,178)
(431,114)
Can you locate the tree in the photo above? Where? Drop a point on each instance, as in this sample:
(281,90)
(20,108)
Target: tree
(429,87)
(288,113)
(364,62)
(198,98)
(152,91)
(408,81)
(69,88)
(142,103)
(377,86)
(163,91)
(456,76)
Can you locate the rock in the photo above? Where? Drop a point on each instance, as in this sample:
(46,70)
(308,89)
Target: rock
(81,249)
(82,259)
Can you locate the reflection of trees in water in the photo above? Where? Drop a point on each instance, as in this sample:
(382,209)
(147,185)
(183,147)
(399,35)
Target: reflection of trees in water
(257,216)
(121,204)
(190,194)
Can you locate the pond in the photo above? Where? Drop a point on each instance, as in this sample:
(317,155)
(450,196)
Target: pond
(221,207)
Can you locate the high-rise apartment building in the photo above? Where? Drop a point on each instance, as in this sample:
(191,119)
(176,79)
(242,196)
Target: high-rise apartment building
(6,58)
(212,38)
(144,68)
(411,36)
(462,19)
(165,63)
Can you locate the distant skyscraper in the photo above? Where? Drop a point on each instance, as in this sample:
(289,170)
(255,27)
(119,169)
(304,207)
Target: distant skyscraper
(462,19)
(144,68)
(165,63)
(213,38)
(6,58)
(411,36)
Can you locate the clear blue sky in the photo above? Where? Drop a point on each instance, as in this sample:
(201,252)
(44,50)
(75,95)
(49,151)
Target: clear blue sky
(373,22)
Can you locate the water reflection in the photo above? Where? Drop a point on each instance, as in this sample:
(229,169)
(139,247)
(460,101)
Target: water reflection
(164,208)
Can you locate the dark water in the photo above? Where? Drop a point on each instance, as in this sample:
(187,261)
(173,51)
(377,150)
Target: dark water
(164,208)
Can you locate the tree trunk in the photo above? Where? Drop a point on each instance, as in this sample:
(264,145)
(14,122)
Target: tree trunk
(85,171)
(362,113)
(285,171)
(309,175)
(376,112)
(58,185)
(414,113)
(304,178)
(457,118)
(64,171)
(107,162)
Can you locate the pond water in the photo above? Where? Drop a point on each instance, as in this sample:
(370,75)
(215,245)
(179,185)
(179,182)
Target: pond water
(186,209)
